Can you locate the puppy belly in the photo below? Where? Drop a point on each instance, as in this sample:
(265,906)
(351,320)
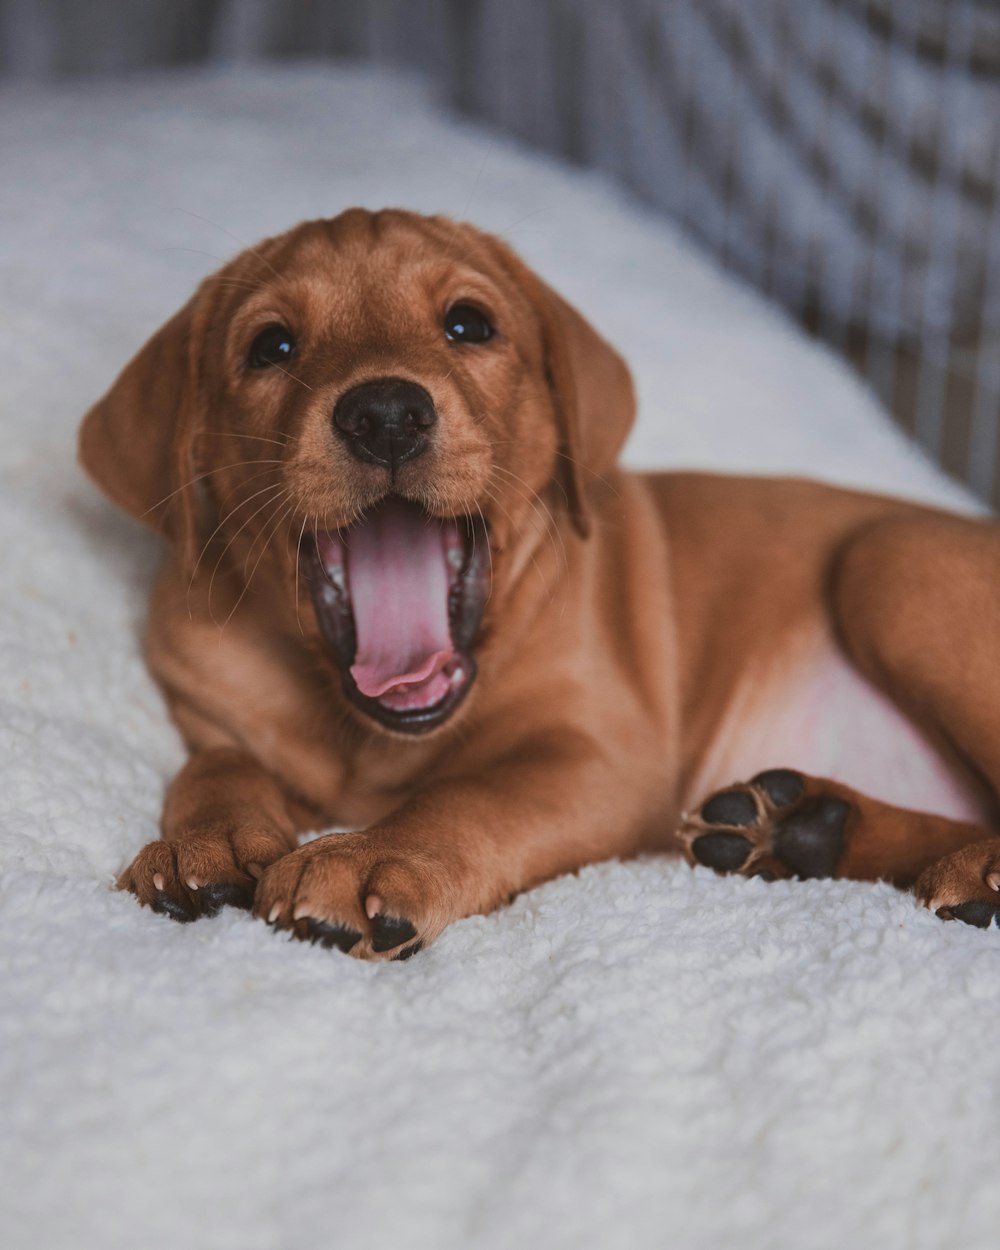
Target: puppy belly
(818,715)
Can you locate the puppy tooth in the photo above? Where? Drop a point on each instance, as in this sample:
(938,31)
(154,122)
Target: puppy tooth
(373,905)
(158,881)
(993,880)
(274,913)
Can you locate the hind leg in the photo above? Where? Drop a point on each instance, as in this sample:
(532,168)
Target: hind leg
(916,600)
(786,824)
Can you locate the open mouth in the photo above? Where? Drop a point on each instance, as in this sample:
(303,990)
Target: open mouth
(399,596)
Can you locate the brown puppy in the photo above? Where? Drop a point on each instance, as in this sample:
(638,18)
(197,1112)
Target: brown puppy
(409,591)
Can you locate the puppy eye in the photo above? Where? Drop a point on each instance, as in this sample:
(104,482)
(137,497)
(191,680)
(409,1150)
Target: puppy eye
(275,345)
(465,324)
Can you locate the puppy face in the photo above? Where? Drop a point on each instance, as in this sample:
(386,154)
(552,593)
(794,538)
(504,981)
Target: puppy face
(373,419)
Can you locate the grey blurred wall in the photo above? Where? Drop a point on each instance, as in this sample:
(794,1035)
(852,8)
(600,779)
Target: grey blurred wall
(842,155)
(53,38)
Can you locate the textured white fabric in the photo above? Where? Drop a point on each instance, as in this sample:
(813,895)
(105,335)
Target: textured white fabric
(637,1056)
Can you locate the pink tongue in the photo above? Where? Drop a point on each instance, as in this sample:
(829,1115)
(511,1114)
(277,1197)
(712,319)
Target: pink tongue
(399,590)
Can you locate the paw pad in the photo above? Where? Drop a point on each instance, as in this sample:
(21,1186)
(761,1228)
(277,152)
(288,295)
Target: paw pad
(390,931)
(724,852)
(781,786)
(730,807)
(341,936)
(978,912)
(408,953)
(167,905)
(810,840)
(215,897)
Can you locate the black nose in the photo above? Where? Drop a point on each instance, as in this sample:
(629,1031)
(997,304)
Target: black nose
(386,421)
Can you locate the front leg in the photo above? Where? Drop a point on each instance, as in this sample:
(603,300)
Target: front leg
(461,847)
(224,821)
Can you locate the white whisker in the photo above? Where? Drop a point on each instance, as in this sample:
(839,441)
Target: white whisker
(275,486)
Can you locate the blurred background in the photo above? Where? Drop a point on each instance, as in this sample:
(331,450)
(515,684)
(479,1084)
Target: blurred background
(842,156)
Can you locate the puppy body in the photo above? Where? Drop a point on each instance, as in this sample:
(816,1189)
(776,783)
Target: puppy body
(635,643)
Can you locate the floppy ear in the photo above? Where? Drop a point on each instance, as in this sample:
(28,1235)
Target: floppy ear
(591,388)
(594,399)
(137,442)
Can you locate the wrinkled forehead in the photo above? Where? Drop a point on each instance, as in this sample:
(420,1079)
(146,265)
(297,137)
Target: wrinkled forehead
(361,264)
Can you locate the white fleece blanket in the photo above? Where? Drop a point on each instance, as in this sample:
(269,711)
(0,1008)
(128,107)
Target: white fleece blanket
(637,1056)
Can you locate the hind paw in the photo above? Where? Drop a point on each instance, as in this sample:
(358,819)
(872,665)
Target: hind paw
(964,885)
(779,824)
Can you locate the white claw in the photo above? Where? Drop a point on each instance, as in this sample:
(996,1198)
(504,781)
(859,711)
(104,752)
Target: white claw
(993,880)
(192,884)
(274,913)
(158,881)
(301,911)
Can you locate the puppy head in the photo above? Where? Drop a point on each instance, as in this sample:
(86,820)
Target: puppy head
(397,401)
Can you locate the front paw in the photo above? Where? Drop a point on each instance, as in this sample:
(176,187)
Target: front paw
(350,891)
(202,873)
